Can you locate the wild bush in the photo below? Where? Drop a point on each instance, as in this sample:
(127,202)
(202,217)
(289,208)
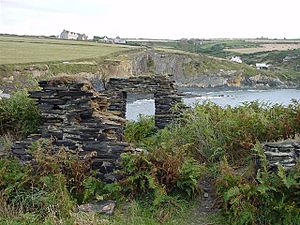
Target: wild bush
(208,133)
(269,198)
(52,184)
(96,189)
(137,132)
(19,114)
(216,132)
(211,132)
(47,191)
(160,173)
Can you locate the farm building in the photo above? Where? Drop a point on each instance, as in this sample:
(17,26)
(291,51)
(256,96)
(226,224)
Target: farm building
(72,35)
(106,39)
(119,40)
(262,66)
(236,59)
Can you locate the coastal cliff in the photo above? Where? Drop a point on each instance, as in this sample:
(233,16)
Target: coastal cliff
(189,70)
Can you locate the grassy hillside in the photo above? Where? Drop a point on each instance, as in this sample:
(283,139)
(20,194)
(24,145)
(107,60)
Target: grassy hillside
(25,60)
(272,51)
(285,63)
(29,50)
(227,47)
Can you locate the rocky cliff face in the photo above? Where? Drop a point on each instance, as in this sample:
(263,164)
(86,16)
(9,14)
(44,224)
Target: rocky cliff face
(189,70)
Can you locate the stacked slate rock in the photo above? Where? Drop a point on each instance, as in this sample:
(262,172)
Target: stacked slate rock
(163,88)
(76,117)
(166,97)
(285,153)
(90,123)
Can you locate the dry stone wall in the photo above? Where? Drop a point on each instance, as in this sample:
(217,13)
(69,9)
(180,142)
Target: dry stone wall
(163,88)
(285,153)
(76,117)
(90,123)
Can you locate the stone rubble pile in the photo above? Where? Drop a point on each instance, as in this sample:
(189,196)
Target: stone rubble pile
(285,153)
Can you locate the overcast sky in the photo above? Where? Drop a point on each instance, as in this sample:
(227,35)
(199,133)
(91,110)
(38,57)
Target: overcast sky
(154,18)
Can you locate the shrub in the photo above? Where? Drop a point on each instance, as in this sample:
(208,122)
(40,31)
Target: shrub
(270,198)
(52,184)
(216,132)
(211,132)
(137,132)
(96,189)
(208,133)
(19,114)
(160,173)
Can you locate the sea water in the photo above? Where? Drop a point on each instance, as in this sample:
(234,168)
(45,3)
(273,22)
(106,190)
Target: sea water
(145,106)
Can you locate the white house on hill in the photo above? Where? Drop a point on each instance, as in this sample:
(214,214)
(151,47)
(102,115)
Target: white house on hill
(106,39)
(72,35)
(236,59)
(119,40)
(262,66)
(116,40)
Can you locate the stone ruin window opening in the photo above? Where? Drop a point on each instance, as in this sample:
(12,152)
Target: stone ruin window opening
(139,104)
(91,122)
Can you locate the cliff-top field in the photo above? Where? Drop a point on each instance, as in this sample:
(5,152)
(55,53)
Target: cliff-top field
(30,50)
(267,48)
(26,60)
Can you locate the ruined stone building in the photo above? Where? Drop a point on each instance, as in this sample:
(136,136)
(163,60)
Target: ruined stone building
(89,122)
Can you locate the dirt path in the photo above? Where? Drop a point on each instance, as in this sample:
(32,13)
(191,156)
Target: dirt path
(208,211)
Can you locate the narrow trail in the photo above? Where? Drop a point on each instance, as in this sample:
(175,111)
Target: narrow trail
(209,208)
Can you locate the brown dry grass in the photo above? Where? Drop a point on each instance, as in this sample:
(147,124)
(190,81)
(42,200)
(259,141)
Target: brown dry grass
(267,48)
(70,79)
(273,40)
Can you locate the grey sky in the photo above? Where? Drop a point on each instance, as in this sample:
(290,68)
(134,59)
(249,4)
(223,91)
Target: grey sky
(154,18)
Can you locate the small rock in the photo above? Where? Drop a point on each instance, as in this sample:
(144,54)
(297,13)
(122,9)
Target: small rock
(140,150)
(205,195)
(105,207)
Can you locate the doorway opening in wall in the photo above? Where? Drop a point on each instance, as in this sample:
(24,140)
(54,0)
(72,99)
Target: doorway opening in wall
(139,104)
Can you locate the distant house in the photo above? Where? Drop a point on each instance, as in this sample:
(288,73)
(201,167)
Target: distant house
(119,40)
(72,35)
(236,59)
(289,58)
(106,39)
(82,37)
(260,66)
(103,39)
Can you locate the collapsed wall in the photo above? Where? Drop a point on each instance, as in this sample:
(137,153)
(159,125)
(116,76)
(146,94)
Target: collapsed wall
(163,88)
(285,153)
(89,122)
(76,117)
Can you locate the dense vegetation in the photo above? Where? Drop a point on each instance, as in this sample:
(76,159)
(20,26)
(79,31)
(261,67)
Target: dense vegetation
(18,115)
(160,184)
(225,141)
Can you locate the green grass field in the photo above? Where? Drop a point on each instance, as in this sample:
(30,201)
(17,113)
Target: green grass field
(15,50)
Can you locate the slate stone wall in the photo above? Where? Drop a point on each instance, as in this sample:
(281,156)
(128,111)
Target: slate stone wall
(76,117)
(89,122)
(163,88)
(285,153)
